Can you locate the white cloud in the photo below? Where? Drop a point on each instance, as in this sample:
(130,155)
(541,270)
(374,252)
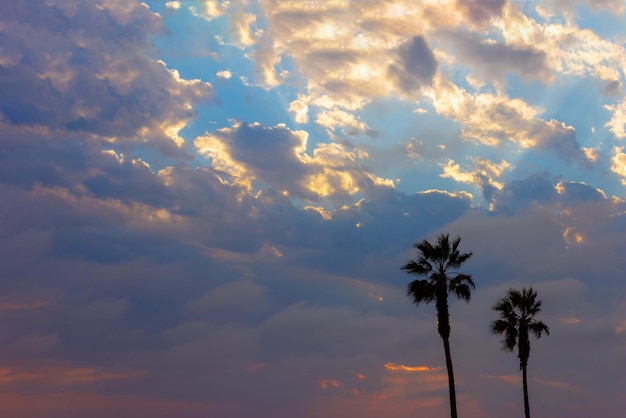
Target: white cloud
(484,174)
(334,118)
(618,163)
(493,118)
(299,108)
(225,74)
(242,23)
(266,60)
(617,124)
(211,9)
(569,49)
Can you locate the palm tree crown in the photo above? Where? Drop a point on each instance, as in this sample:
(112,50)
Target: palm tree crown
(517,312)
(439,264)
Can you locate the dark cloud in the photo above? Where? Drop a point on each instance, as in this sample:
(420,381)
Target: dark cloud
(331,59)
(571,192)
(542,189)
(481,11)
(495,60)
(261,148)
(216,326)
(568,7)
(612,88)
(517,194)
(416,65)
(561,139)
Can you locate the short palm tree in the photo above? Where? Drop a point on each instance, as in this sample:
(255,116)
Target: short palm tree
(438,264)
(517,312)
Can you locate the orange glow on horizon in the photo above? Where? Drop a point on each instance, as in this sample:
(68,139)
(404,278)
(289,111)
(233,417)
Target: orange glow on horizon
(62,375)
(410,369)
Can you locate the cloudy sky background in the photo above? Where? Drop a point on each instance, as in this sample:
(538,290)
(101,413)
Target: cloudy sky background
(205,205)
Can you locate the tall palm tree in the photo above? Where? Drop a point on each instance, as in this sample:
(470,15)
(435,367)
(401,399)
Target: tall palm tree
(517,312)
(439,264)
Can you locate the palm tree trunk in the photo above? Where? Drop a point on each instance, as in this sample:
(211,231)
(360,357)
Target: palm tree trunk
(525,383)
(446,347)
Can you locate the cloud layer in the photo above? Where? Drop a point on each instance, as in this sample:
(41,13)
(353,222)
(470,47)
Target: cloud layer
(205,205)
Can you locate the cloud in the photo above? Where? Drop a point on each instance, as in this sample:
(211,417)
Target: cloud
(195,282)
(61,375)
(617,124)
(241,23)
(339,118)
(344,66)
(481,11)
(568,6)
(618,165)
(495,60)
(299,108)
(344,50)
(250,153)
(317,331)
(612,88)
(173,5)
(205,319)
(210,9)
(569,49)
(541,189)
(78,70)
(236,297)
(485,174)
(495,118)
(225,74)
(409,369)
(266,61)
(571,191)
(416,67)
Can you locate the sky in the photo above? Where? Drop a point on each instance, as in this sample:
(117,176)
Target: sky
(205,205)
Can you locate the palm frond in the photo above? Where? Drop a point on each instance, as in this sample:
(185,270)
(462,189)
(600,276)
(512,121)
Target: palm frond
(417,268)
(538,328)
(421,291)
(426,248)
(457,258)
(461,286)
(499,326)
(463,279)
(504,307)
(508,330)
(443,248)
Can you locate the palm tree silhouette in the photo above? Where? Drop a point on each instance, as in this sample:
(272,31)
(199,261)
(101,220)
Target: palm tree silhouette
(517,312)
(439,264)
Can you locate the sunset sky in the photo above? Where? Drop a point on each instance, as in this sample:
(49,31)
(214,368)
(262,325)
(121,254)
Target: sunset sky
(205,205)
